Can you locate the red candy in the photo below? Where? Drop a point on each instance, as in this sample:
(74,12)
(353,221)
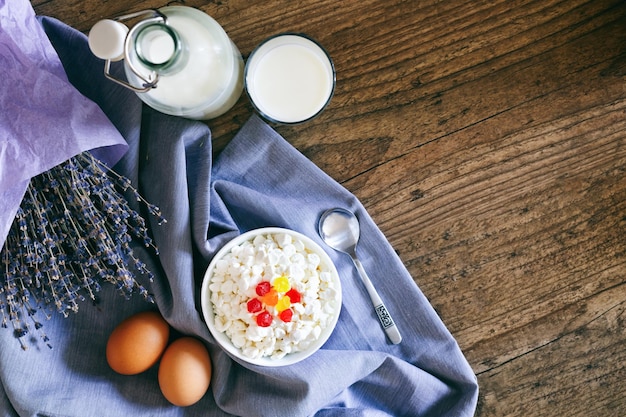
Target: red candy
(264,319)
(294,295)
(286,315)
(254,305)
(263,288)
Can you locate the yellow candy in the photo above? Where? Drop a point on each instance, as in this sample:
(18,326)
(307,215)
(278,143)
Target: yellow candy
(283,304)
(281,284)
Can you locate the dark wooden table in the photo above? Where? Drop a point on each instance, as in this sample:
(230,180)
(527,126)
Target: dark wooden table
(488,141)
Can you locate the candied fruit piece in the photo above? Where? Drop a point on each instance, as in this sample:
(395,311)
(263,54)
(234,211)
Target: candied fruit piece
(294,295)
(264,319)
(254,305)
(286,315)
(263,288)
(283,304)
(271,298)
(281,284)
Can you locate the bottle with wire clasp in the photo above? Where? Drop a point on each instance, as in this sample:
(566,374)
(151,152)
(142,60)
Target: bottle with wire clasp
(177,59)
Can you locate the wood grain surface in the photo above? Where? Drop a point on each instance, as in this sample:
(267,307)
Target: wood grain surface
(488,141)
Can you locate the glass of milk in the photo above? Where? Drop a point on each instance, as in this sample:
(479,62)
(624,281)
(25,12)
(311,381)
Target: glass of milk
(289,78)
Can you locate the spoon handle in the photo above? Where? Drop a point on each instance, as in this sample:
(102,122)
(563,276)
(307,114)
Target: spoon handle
(383,314)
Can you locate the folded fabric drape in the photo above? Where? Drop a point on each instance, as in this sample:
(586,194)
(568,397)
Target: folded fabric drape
(258,180)
(35,93)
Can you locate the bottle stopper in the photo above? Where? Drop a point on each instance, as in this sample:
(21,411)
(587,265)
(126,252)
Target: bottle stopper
(106,39)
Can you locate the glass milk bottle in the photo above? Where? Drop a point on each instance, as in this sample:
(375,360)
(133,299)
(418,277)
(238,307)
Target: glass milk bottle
(177,59)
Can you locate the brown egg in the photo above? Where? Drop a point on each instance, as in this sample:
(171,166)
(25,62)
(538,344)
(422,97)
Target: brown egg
(185,372)
(137,343)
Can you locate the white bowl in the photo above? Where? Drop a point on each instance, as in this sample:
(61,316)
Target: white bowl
(224,340)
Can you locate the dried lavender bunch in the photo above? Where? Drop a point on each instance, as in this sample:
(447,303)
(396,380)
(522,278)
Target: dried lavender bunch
(71,233)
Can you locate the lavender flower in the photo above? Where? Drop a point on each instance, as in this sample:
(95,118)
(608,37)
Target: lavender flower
(72,232)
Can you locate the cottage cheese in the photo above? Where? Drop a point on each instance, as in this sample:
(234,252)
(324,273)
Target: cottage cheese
(265,258)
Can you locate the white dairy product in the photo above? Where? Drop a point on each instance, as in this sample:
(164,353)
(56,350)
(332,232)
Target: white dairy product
(272,258)
(290,79)
(205,76)
(160,47)
(200,70)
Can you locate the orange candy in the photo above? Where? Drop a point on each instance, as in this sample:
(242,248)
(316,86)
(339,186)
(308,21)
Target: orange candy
(271,298)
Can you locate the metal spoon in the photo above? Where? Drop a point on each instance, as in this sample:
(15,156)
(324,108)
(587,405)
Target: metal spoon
(340,230)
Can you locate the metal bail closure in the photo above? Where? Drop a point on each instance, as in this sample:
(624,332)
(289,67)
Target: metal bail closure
(109,39)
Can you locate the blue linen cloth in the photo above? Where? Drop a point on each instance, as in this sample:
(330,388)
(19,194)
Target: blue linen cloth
(258,180)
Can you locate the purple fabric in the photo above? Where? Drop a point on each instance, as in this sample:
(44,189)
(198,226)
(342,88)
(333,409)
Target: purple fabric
(44,119)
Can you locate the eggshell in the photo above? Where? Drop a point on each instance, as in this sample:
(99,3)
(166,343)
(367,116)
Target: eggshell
(185,371)
(137,343)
